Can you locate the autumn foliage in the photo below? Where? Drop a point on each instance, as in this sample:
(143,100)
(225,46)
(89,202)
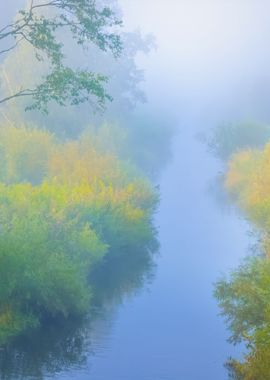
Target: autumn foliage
(244,296)
(64,208)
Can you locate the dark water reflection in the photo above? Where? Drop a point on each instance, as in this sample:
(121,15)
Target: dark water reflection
(61,346)
(47,351)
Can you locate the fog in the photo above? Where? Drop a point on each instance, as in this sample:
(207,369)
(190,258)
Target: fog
(152,314)
(212,57)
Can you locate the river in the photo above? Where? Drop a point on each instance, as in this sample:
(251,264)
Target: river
(161,321)
(163,325)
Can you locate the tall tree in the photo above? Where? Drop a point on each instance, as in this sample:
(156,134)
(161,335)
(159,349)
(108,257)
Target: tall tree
(41,25)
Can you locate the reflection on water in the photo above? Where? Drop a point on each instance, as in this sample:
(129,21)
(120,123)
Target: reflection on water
(217,192)
(46,351)
(60,347)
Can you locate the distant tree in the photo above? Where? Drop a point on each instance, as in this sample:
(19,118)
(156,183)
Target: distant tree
(228,139)
(133,130)
(40,25)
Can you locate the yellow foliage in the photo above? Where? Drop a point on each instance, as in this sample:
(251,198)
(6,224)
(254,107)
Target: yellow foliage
(24,154)
(63,206)
(5,316)
(248,179)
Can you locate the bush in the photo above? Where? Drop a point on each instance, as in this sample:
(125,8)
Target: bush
(59,218)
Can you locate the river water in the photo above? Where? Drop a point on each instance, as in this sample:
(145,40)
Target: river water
(162,324)
(159,320)
(170,330)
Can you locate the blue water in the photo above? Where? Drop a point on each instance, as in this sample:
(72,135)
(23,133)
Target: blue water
(171,331)
(165,327)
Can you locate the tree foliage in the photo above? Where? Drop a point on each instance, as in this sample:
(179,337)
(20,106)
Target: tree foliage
(67,206)
(41,25)
(141,131)
(228,139)
(244,297)
(56,228)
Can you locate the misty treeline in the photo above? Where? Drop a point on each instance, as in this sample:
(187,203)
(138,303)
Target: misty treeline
(244,295)
(78,156)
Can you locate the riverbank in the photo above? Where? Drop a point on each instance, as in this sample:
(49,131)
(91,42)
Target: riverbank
(244,295)
(65,207)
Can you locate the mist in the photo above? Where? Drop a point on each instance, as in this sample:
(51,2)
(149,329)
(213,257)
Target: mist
(212,57)
(134,190)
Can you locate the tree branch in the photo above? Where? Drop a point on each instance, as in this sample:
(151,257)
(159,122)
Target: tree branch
(87,24)
(26,92)
(12,47)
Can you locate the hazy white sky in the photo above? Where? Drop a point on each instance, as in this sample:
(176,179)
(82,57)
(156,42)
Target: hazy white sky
(210,52)
(213,56)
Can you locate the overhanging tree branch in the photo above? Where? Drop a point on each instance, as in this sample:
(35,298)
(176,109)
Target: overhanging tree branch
(88,24)
(17,95)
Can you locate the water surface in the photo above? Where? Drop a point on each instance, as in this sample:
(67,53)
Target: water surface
(157,322)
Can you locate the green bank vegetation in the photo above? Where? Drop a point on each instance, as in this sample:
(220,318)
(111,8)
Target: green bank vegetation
(244,295)
(64,208)
(74,183)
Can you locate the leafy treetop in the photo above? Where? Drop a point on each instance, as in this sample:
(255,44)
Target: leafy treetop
(41,25)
